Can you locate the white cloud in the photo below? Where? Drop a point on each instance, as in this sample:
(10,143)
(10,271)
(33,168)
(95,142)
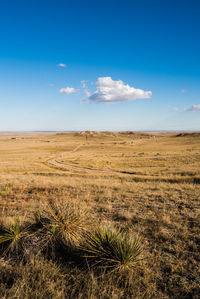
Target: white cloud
(88,94)
(84,85)
(68,90)
(194,108)
(110,91)
(62,65)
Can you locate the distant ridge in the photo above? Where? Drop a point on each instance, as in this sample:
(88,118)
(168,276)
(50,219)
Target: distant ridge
(184,134)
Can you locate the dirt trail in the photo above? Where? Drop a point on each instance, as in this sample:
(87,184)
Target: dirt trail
(136,177)
(54,162)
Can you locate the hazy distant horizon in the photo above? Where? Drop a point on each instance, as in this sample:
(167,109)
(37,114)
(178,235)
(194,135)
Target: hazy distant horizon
(78,131)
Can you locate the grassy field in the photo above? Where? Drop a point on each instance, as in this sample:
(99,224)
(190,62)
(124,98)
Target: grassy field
(138,186)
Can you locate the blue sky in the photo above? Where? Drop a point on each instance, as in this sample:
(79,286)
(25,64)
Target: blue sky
(130,65)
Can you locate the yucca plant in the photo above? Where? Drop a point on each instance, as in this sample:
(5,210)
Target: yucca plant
(109,247)
(12,236)
(61,223)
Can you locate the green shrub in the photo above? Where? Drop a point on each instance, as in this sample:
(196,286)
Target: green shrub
(13,236)
(111,248)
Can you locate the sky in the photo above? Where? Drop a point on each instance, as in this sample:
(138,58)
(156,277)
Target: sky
(99,65)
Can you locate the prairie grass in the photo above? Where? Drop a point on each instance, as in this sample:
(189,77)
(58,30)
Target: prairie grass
(155,195)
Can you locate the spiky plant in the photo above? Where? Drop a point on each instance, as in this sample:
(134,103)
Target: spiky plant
(12,236)
(114,249)
(63,222)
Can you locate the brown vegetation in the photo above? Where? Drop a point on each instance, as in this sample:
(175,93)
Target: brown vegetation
(52,217)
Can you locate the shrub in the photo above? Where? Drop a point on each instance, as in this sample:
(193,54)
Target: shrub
(13,236)
(60,227)
(64,220)
(112,248)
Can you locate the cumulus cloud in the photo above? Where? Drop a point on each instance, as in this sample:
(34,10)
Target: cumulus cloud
(84,85)
(62,65)
(194,108)
(111,91)
(68,90)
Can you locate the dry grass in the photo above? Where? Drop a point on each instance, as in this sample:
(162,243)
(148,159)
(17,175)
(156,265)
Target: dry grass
(154,195)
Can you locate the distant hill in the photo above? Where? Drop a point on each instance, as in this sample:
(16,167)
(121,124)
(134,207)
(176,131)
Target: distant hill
(184,134)
(113,134)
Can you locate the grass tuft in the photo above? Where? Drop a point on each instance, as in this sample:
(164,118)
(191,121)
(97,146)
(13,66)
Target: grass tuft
(59,227)
(12,236)
(113,249)
(64,220)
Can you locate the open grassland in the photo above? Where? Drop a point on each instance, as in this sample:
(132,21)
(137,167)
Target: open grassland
(91,189)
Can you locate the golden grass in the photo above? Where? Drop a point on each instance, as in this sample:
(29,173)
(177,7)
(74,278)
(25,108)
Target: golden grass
(155,194)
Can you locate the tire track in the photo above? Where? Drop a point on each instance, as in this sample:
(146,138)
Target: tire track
(56,163)
(136,178)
